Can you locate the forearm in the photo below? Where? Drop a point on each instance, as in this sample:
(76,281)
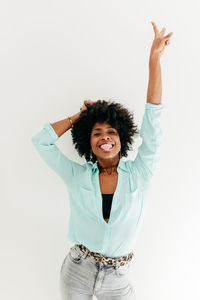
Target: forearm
(62,126)
(154,92)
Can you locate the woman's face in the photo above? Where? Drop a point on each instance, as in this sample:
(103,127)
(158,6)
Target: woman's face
(102,133)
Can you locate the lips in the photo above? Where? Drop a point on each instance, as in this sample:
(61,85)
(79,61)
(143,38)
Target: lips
(106,146)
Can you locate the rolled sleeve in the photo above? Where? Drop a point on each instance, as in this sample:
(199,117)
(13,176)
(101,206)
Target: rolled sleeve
(44,142)
(148,154)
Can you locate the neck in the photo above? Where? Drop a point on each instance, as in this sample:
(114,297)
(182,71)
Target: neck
(108,167)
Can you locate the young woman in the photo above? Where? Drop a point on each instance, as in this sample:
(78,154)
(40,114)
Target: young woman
(107,194)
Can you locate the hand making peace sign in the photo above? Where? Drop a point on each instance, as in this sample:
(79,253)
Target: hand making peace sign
(160,41)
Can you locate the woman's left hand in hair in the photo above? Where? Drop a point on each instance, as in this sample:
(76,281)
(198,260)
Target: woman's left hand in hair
(160,41)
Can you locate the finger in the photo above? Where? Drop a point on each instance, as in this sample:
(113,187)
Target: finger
(89,102)
(155,27)
(168,36)
(163,31)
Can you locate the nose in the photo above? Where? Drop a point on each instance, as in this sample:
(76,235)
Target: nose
(106,139)
(105,136)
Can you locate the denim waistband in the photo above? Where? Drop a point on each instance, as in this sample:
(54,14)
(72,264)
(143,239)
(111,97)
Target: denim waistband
(109,261)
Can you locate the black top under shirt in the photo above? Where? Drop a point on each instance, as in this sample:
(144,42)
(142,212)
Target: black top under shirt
(107,203)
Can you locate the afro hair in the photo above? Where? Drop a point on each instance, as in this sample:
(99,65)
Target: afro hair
(103,111)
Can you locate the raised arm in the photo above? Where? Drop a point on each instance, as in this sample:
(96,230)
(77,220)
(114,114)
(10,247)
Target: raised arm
(148,154)
(44,142)
(62,126)
(154,92)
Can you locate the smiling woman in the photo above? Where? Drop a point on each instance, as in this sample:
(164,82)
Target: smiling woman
(107,194)
(104,122)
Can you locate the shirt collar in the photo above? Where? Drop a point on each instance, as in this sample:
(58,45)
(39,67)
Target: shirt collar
(121,165)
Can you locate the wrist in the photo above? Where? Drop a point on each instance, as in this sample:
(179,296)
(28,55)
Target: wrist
(154,58)
(75,117)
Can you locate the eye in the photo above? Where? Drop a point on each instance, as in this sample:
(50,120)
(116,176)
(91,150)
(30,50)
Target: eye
(108,132)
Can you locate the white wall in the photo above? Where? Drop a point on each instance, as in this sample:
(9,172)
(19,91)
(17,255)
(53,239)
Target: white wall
(55,54)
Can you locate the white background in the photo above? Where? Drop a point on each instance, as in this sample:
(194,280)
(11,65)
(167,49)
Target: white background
(53,56)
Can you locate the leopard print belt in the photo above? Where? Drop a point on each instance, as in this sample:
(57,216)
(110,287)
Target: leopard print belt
(119,261)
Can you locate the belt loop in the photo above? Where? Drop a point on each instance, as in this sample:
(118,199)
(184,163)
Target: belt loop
(116,261)
(85,254)
(78,249)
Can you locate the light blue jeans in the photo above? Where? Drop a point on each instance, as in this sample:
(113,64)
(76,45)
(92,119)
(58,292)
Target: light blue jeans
(81,277)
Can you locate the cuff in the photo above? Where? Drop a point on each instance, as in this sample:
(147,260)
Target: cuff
(51,131)
(153,106)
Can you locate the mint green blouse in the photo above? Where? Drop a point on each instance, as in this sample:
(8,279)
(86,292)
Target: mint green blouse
(86,223)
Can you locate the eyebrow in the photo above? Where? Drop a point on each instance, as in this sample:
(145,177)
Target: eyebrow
(100,128)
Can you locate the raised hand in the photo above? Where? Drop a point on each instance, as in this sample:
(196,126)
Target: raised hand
(160,41)
(86,102)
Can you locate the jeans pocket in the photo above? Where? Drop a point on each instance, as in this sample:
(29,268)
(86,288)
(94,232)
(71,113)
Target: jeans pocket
(123,270)
(75,256)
